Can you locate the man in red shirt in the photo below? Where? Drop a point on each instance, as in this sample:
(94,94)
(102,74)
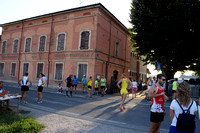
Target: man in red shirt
(157,94)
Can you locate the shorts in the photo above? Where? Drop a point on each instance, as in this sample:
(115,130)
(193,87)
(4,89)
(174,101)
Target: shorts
(173,91)
(69,85)
(134,89)
(103,87)
(96,89)
(156,117)
(74,85)
(89,87)
(84,85)
(24,88)
(123,91)
(40,88)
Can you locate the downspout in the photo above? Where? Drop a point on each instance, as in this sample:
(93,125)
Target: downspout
(20,51)
(125,56)
(108,62)
(49,49)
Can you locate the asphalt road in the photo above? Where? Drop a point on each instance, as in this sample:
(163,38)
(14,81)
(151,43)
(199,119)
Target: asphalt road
(104,110)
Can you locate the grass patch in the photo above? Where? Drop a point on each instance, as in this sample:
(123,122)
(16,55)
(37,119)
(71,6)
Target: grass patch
(10,122)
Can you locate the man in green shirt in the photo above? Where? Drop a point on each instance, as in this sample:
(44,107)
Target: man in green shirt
(96,86)
(174,88)
(103,85)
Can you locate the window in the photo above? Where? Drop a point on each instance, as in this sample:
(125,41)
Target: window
(42,43)
(25,68)
(39,69)
(85,38)
(61,42)
(3,48)
(1,68)
(117,49)
(15,46)
(13,69)
(28,45)
(58,71)
(82,70)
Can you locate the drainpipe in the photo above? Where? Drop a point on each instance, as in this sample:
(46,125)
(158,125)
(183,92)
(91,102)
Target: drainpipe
(20,51)
(49,49)
(125,56)
(108,62)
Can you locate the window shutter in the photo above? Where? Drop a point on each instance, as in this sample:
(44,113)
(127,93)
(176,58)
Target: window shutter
(82,70)
(42,43)
(85,40)
(1,68)
(3,51)
(15,47)
(39,69)
(61,41)
(58,74)
(25,69)
(28,45)
(13,69)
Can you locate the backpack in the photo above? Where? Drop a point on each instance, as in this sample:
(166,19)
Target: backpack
(185,121)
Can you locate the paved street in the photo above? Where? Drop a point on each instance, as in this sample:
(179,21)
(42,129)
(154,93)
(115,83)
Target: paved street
(83,114)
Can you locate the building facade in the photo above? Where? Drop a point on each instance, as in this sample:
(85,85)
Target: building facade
(87,41)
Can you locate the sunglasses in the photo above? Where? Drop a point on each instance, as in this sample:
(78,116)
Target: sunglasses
(163,79)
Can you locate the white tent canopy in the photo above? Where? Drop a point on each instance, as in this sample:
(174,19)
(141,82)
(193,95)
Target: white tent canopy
(188,77)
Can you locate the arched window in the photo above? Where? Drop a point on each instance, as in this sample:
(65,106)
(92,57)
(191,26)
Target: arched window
(28,45)
(42,43)
(15,45)
(61,42)
(85,40)
(3,48)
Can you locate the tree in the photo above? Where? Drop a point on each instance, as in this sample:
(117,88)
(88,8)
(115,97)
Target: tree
(166,31)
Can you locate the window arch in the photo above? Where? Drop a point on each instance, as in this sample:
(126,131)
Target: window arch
(61,42)
(28,45)
(84,39)
(15,45)
(3,48)
(42,42)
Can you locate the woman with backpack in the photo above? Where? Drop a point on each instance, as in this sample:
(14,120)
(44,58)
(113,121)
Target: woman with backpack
(183,110)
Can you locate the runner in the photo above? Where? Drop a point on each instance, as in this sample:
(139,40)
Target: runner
(157,94)
(25,84)
(124,84)
(69,85)
(96,86)
(40,88)
(84,83)
(134,88)
(174,88)
(154,81)
(89,83)
(103,85)
(74,83)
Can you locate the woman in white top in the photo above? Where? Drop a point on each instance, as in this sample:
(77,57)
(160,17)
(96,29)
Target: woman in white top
(25,84)
(40,88)
(184,99)
(134,88)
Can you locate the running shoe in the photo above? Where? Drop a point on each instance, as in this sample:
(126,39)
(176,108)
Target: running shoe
(124,107)
(25,102)
(121,109)
(90,96)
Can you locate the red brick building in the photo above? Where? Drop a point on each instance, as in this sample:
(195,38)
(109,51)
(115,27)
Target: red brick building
(87,41)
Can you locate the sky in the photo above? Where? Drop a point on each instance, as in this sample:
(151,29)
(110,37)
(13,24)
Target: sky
(13,10)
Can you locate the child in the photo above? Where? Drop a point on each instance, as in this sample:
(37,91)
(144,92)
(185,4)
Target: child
(134,88)
(96,87)
(59,88)
(89,83)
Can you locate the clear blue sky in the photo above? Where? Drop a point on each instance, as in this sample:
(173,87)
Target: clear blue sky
(13,10)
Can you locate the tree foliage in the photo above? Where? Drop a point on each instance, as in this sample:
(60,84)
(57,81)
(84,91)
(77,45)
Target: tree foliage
(167,31)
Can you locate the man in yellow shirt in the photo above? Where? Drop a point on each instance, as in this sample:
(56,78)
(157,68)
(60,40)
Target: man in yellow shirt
(89,83)
(124,86)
